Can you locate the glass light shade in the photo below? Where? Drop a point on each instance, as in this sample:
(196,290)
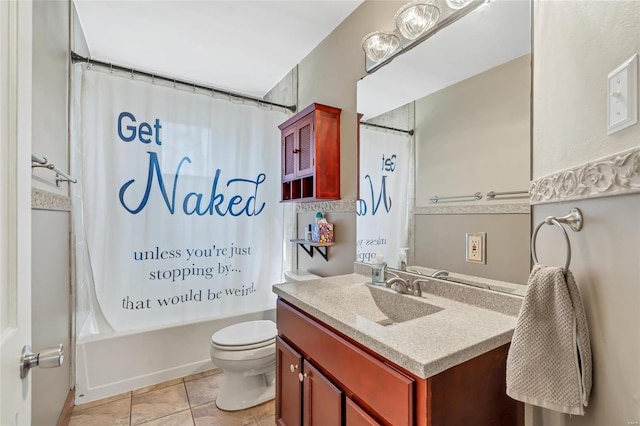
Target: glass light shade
(380,44)
(413,19)
(458,4)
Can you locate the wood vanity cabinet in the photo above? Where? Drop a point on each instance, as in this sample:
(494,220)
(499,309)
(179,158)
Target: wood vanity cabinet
(310,153)
(324,378)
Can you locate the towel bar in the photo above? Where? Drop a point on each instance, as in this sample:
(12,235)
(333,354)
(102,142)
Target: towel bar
(575,222)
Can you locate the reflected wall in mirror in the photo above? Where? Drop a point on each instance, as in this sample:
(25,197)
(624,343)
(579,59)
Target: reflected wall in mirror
(466,92)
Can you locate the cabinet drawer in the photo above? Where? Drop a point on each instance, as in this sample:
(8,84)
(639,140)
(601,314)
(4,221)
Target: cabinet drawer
(378,387)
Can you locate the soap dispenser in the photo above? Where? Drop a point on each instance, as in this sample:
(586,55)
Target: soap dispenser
(377,270)
(402,259)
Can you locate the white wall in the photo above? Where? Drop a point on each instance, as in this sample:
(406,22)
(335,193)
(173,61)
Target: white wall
(51,278)
(576,44)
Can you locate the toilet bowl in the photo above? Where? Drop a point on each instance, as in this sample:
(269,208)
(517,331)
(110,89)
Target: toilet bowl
(246,353)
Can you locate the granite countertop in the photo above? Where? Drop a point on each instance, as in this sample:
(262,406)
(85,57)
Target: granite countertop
(468,322)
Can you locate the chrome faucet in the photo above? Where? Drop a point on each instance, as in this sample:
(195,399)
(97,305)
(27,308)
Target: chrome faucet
(440,274)
(402,286)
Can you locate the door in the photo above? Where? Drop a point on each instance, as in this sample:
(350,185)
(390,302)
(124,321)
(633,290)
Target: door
(15,208)
(322,399)
(305,153)
(356,416)
(289,154)
(288,386)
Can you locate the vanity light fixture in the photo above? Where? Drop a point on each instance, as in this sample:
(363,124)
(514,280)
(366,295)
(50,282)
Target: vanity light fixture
(457,4)
(380,44)
(415,22)
(413,19)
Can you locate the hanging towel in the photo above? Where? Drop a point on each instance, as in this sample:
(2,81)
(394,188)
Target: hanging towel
(549,361)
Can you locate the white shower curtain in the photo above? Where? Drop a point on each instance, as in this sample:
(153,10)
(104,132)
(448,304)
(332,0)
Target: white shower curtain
(385,189)
(179,203)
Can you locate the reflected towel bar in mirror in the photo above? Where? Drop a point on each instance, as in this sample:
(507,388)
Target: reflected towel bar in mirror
(491,195)
(475,197)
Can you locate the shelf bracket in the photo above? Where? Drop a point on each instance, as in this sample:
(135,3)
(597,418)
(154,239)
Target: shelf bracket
(308,247)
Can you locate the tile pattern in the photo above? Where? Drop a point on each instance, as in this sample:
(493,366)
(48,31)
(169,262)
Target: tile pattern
(181,402)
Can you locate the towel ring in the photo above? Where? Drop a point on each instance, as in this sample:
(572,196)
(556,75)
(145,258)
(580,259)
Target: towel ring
(573,219)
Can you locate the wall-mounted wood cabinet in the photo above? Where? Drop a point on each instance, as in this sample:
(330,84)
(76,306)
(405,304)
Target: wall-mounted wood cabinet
(311,154)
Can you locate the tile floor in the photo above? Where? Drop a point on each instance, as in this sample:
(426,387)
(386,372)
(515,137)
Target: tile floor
(180,402)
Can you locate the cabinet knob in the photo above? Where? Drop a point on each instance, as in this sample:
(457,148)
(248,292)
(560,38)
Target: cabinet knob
(293,368)
(295,151)
(301,376)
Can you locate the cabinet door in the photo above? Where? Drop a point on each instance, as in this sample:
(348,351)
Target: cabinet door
(356,416)
(288,386)
(305,147)
(322,404)
(289,154)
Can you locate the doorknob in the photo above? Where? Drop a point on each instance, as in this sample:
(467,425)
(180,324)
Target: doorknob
(48,358)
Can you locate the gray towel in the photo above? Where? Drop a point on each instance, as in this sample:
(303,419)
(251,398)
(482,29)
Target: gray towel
(549,361)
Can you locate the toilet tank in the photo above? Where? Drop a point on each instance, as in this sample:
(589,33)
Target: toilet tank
(299,275)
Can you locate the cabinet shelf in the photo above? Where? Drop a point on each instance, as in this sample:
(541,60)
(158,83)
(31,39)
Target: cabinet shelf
(304,243)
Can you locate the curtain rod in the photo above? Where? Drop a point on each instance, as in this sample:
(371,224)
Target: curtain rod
(79,58)
(379,126)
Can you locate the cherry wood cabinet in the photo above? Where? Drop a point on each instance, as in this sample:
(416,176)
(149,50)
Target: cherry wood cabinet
(288,385)
(351,385)
(310,154)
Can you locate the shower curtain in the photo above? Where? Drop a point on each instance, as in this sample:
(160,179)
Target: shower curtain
(177,217)
(385,191)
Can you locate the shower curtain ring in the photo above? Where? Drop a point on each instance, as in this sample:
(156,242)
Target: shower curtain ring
(88,63)
(194,88)
(111,68)
(132,73)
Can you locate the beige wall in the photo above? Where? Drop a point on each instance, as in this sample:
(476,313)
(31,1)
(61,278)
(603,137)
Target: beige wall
(51,279)
(440,244)
(475,135)
(576,44)
(328,75)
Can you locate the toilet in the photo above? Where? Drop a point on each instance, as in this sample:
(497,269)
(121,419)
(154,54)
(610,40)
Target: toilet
(246,353)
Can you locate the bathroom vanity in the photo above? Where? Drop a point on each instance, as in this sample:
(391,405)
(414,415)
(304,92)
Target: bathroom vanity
(351,353)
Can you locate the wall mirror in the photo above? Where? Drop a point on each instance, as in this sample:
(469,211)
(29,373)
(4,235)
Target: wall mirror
(465,92)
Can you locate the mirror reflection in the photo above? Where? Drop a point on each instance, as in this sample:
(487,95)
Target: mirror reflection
(466,94)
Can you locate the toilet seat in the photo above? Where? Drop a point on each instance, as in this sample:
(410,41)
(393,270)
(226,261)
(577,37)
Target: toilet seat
(245,336)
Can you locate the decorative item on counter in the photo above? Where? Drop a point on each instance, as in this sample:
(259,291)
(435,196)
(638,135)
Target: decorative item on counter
(402,259)
(377,270)
(319,216)
(322,232)
(308,233)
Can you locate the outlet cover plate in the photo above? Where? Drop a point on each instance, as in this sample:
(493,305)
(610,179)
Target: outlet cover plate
(476,248)
(622,96)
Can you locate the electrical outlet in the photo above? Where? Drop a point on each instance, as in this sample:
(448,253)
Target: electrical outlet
(476,248)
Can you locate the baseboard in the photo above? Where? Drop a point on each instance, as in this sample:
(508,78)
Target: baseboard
(67,409)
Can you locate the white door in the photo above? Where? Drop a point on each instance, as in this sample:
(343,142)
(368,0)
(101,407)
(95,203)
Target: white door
(15,208)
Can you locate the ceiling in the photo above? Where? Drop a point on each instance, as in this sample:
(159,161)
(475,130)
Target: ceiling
(242,46)
(487,37)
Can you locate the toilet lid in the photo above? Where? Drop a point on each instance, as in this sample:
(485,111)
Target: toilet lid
(245,333)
